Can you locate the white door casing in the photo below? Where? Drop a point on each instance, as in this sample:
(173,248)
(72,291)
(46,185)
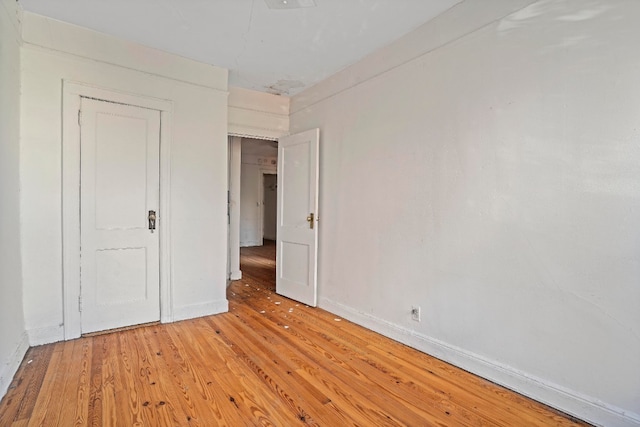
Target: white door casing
(73,92)
(120,186)
(297,229)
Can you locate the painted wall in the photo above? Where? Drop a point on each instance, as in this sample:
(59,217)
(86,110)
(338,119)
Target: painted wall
(492,177)
(270,212)
(13,340)
(257,115)
(53,52)
(250,205)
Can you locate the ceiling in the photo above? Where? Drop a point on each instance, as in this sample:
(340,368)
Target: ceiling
(269,49)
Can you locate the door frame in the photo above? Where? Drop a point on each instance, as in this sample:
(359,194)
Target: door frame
(233,186)
(72,92)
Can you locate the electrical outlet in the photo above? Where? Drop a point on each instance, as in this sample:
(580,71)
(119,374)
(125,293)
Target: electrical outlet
(415,313)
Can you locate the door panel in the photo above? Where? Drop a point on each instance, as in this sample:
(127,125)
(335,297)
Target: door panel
(120,175)
(297,237)
(119,276)
(120,184)
(295,192)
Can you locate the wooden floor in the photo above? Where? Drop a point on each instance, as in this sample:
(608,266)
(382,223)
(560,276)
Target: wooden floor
(269,361)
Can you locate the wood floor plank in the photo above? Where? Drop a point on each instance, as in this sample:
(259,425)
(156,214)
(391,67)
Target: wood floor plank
(209,403)
(160,409)
(270,361)
(402,388)
(73,380)
(258,365)
(326,358)
(23,390)
(51,397)
(241,389)
(129,411)
(83,386)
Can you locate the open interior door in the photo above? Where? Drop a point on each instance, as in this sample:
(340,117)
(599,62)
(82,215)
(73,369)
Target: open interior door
(297,230)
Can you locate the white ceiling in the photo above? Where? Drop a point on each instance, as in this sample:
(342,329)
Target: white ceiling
(271,50)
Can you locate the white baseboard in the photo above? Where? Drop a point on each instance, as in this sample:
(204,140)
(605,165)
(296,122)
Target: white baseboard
(569,401)
(235,275)
(10,367)
(251,243)
(199,310)
(46,335)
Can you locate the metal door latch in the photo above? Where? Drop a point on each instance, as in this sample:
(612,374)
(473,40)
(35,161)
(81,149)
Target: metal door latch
(152,220)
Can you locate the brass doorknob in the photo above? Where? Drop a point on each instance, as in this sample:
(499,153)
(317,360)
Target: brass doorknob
(310,219)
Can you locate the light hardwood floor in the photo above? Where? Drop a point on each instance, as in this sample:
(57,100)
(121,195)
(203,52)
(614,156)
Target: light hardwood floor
(269,361)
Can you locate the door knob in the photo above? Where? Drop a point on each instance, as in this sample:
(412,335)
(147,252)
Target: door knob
(152,220)
(310,219)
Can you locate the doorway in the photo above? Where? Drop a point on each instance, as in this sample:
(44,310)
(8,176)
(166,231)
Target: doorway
(296,162)
(252,217)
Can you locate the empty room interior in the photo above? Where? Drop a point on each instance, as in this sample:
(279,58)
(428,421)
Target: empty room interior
(322,212)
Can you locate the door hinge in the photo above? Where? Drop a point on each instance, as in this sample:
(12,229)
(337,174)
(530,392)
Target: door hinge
(80,303)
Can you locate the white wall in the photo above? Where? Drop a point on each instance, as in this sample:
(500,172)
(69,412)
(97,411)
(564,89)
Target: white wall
(13,340)
(494,180)
(250,205)
(270,207)
(257,115)
(54,52)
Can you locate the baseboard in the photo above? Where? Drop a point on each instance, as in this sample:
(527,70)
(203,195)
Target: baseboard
(251,243)
(571,402)
(235,275)
(10,367)
(46,335)
(199,310)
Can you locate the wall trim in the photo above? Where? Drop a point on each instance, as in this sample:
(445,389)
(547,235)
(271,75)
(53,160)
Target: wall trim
(72,94)
(247,135)
(9,368)
(571,402)
(45,335)
(251,243)
(199,310)
(255,132)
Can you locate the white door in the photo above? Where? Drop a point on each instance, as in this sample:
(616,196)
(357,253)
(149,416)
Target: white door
(120,185)
(297,229)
